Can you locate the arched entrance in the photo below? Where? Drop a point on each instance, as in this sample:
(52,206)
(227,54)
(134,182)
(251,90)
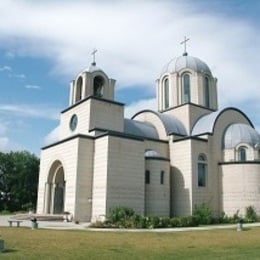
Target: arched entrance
(55,189)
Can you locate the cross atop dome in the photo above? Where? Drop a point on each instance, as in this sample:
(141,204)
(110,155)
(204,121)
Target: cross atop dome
(185,45)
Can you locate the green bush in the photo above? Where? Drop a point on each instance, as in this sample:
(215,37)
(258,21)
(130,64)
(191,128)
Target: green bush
(251,215)
(164,222)
(121,217)
(203,214)
(190,221)
(175,222)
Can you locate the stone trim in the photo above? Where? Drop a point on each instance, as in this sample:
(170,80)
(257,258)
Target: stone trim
(157,158)
(195,138)
(68,139)
(121,134)
(188,103)
(92,97)
(239,162)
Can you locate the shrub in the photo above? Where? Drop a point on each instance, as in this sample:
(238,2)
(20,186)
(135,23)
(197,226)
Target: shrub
(190,221)
(223,218)
(175,222)
(164,222)
(235,217)
(203,213)
(251,215)
(122,217)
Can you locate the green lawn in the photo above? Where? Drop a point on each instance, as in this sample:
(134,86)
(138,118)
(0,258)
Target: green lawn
(24,243)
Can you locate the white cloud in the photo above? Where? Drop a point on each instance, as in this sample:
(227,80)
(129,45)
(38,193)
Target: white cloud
(3,128)
(4,144)
(11,74)
(33,87)
(133,45)
(9,55)
(135,107)
(18,76)
(52,137)
(135,39)
(31,111)
(6,68)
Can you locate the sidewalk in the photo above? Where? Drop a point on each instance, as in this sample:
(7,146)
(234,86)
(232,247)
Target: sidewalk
(43,224)
(60,225)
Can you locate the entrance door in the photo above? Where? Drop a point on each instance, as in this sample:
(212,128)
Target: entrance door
(55,192)
(58,199)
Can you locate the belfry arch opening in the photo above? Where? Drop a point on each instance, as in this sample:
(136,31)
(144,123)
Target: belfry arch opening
(79,89)
(99,83)
(55,189)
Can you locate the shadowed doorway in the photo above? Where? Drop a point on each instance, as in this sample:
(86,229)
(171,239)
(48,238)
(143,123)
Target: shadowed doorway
(55,189)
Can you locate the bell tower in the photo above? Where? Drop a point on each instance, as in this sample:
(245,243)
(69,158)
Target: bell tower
(91,82)
(92,108)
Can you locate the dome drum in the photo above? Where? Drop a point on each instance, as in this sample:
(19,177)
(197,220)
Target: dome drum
(184,80)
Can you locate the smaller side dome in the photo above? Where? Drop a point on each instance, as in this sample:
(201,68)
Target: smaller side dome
(151,153)
(185,61)
(240,133)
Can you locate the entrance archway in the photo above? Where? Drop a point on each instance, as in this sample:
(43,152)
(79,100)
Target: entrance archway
(55,189)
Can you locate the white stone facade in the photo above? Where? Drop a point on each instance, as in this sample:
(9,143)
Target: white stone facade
(163,162)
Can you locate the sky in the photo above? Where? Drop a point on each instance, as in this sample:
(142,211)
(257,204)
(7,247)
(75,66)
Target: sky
(44,44)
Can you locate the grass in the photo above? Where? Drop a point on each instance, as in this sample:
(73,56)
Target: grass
(24,243)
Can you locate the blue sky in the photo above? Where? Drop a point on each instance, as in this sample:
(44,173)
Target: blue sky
(44,44)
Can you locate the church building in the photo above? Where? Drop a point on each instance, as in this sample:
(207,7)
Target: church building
(161,163)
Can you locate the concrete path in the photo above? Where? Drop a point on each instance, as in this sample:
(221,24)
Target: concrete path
(85,226)
(43,224)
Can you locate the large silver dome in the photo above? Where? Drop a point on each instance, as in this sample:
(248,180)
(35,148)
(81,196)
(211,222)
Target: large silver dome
(240,133)
(185,61)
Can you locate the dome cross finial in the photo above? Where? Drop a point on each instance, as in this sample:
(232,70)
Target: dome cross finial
(93,53)
(185,45)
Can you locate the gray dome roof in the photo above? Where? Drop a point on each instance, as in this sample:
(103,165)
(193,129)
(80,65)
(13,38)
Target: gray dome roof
(185,61)
(172,125)
(206,124)
(141,129)
(240,133)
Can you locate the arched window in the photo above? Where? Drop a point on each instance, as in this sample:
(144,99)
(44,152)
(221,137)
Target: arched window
(202,170)
(79,89)
(162,177)
(166,93)
(186,88)
(206,92)
(98,86)
(242,154)
(147,177)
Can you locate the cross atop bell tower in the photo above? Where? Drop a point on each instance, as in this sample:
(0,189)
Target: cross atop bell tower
(93,53)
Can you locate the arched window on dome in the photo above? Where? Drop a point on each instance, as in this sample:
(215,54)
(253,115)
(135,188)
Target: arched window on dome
(202,170)
(79,89)
(186,88)
(242,153)
(166,93)
(206,92)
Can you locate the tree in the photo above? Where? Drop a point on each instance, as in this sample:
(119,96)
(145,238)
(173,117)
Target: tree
(18,180)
